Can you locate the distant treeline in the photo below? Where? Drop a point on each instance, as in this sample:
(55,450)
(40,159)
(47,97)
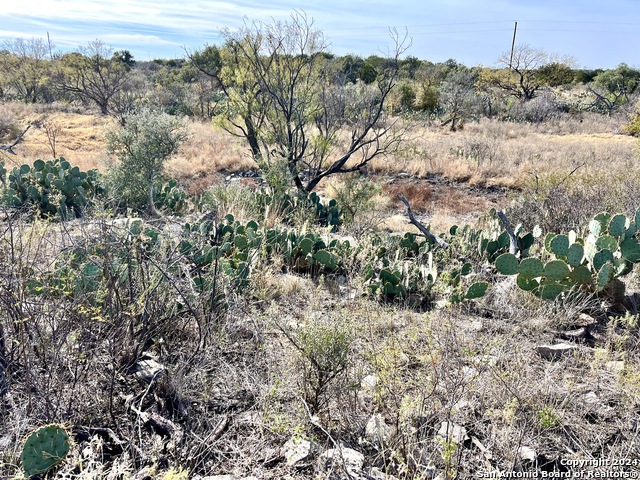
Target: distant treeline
(530,85)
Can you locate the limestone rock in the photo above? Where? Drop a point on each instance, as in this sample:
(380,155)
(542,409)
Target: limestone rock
(527,454)
(343,461)
(369,382)
(149,369)
(555,352)
(377,432)
(297,449)
(451,432)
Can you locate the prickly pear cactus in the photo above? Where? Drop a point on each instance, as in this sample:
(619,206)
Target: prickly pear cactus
(507,264)
(53,187)
(45,448)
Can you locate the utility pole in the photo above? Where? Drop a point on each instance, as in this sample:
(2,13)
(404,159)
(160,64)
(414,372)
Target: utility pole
(50,50)
(513,43)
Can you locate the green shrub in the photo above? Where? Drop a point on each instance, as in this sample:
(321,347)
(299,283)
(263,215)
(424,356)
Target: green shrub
(355,196)
(143,145)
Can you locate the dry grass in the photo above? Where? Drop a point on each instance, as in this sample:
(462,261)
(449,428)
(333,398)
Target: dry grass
(506,154)
(485,153)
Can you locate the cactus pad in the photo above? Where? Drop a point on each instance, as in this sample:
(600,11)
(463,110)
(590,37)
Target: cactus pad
(581,274)
(607,242)
(476,290)
(507,264)
(241,242)
(631,231)
(604,218)
(44,449)
(388,277)
(600,258)
(530,268)
(547,240)
(595,228)
(590,248)
(575,254)
(622,266)
(549,290)
(527,284)
(466,269)
(327,259)
(617,225)
(605,275)
(526,242)
(306,246)
(556,270)
(559,245)
(630,249)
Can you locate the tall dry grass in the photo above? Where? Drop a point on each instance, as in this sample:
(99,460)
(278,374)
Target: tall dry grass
(486,153)
(491,153)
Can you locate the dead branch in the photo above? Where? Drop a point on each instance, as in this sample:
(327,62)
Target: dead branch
(513,240)
(9,148)
(424,230)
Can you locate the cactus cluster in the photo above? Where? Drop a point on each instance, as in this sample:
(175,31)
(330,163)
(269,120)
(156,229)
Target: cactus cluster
(80,271)
(170,197)
(53,187)
(593,263)
(327,214)
(235,248)
(44,449)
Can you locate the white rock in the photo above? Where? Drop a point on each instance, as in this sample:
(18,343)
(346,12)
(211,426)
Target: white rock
(377,432)
(451,432)
(369,382)
(149,369)
(615,366)
(527,453)
(554,352)
(297,449)
(339,459)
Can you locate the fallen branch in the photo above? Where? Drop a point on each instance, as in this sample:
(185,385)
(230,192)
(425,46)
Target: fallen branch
(424,230)
(9,148)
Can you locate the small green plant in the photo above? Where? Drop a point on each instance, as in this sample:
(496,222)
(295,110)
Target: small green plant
(325,353)
(355,196)
(44,449)
(547,418)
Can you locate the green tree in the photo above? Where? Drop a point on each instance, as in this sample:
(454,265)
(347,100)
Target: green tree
(614,87)
(458,97)
(92,75)
(244,108)
(25,68)
(142,145)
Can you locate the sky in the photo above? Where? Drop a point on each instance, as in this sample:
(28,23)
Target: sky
(596,33)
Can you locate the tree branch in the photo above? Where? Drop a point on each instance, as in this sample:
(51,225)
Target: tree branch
(424,230)
(513,240)
(9,148)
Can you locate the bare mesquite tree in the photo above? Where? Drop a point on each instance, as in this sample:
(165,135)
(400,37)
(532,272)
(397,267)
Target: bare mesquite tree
(93,75)
(523,75)
(292,105)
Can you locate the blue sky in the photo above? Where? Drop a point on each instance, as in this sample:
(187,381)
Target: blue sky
(595,33)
